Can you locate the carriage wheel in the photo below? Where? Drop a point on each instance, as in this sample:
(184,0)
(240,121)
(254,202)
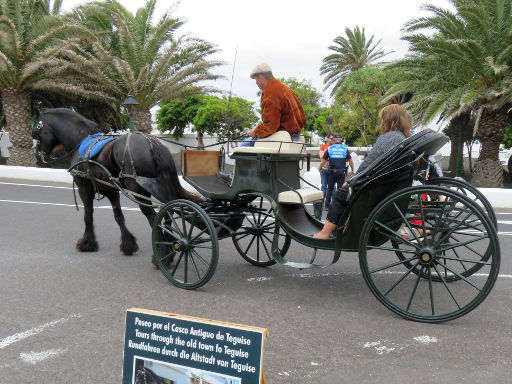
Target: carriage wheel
(468,190)
(253,240)
(185,244)
(472,193)
(435,281)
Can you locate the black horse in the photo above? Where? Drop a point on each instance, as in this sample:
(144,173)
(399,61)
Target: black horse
(128,157)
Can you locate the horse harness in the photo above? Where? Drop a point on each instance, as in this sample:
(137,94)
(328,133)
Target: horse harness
(104,157)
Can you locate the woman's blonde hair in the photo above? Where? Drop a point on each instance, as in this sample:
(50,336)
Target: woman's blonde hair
(394,118)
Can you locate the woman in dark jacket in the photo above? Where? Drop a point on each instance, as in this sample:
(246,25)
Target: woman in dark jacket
(395,125)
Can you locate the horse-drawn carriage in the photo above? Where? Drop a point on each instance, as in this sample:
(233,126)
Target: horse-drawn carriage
(428,252)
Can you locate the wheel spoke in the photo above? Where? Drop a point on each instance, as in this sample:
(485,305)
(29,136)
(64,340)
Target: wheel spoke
(418,277)
(185,268)
(391,249)
(175,224)
(463,278)
(243,235)
(198,235)
(459,259)
(250,243)
(167,256)
(431,290)
(164,243)
(166,229)
(447,288)
(451,230)
(266,249)
(407,223)
(201,259)
(196,271)
(178,262)
(405,261)
(463,243)
(396,234)
(401,279)
(183,222)
(192,225)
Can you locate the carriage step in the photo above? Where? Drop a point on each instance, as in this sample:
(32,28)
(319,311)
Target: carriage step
(294,197)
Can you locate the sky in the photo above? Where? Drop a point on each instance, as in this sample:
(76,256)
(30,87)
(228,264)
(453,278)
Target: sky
(292,36)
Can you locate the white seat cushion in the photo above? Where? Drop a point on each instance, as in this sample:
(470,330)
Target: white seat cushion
(279,142)
(307,194)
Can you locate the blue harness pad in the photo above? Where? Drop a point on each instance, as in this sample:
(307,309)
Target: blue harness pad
(95,142)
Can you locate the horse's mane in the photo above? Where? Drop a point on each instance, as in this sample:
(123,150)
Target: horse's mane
(69,117)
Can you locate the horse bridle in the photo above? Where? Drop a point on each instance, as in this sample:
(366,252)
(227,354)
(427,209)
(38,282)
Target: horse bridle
(39,151)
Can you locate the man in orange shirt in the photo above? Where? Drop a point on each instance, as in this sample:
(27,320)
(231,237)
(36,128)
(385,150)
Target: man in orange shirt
(280,107)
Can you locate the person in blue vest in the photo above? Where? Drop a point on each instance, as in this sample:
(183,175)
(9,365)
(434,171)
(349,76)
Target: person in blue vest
(338,156)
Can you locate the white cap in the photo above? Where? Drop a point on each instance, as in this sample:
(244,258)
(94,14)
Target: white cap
(262,68)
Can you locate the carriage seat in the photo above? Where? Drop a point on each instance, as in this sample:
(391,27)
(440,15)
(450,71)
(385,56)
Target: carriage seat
(300,196)
(279,142)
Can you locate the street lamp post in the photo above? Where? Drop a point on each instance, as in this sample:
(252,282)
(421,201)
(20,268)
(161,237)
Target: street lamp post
(128,104)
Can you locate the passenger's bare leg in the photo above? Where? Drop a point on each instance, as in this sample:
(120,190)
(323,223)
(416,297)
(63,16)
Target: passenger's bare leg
(326,230)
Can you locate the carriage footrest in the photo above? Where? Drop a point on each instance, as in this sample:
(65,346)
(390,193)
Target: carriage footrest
(307,194)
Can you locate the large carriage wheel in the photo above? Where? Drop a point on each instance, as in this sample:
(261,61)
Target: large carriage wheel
(452,238)
(468,190)
(185,244)
(472,193)
(253,240)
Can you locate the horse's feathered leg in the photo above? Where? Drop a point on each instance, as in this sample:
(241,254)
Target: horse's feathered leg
(128,244)
(87,243)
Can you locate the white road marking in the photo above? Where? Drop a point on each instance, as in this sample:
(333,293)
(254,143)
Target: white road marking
(311,275)
(258,279)
(6,341)
(504,221)
(65,205)
(425,339)
(378,347)
(36,357)
(35,185)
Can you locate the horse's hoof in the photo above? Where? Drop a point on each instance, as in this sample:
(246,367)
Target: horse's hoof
(128,245)
(88,245)
(129,250)
(153,262)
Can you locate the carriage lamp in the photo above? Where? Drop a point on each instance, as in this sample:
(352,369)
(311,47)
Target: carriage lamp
(128,104)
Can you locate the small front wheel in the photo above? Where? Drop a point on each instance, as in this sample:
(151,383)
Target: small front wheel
(185,244)
(253,240)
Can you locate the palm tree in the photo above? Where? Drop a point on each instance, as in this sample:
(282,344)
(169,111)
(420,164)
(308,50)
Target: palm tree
(131,56)
(350,54)
(24,31)
(464,67)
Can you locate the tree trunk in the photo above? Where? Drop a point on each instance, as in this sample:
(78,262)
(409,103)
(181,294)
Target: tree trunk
(141,119)
(488,170)
(457,124)
(200,143)
(17,107)
(452,164)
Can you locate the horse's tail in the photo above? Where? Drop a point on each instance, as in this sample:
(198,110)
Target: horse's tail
(167,176)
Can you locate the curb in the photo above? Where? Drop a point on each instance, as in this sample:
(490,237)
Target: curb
(498,197)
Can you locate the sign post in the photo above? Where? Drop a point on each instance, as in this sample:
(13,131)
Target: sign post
(186,350)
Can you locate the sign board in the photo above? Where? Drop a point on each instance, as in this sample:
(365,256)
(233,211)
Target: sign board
(168,348)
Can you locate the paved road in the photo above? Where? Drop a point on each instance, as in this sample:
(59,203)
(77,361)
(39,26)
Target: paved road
(62,313)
